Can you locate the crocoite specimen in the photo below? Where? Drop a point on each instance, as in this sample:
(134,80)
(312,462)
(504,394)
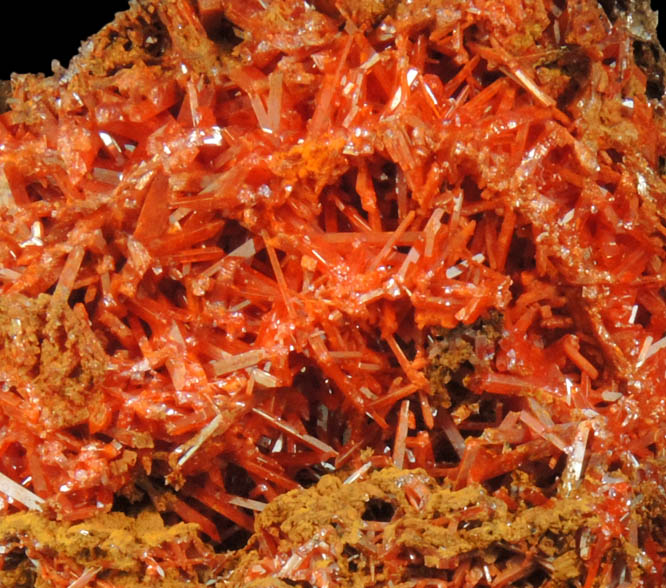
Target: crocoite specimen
(411,252)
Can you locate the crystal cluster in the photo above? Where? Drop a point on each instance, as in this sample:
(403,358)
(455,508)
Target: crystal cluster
(351,294)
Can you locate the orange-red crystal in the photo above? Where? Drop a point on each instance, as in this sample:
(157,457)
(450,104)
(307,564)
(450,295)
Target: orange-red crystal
(257,247)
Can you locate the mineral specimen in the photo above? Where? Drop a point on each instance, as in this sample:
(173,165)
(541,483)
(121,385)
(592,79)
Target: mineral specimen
(329,293)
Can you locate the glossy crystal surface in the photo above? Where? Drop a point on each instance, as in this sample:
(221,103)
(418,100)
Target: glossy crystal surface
(244,245)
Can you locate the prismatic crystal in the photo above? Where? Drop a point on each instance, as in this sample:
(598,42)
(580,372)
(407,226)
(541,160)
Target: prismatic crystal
(335,293)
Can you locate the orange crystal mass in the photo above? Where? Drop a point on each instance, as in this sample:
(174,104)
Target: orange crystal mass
(246,246)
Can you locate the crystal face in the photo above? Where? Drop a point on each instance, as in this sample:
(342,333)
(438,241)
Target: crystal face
(336,294)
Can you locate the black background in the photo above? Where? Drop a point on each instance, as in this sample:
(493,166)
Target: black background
(34,33)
